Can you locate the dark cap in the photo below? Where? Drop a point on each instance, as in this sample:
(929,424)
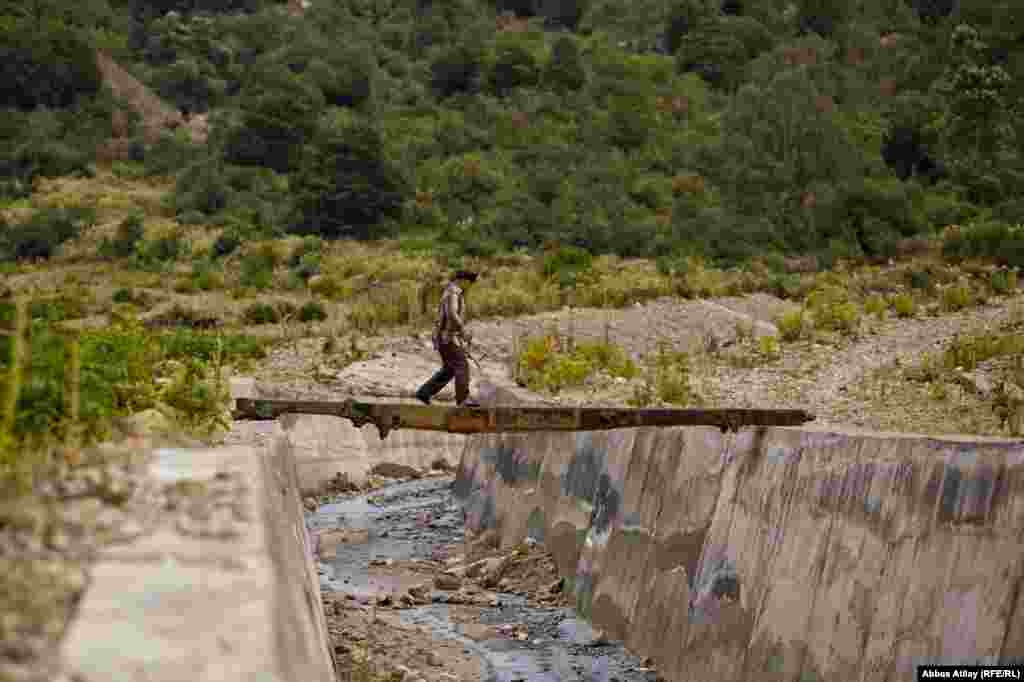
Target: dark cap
(467,275)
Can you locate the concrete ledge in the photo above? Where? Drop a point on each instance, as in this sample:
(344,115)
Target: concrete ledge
(325,446)
(773,554)
(220,587)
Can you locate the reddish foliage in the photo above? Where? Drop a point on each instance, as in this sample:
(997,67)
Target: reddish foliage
(824,104)
(520,119)
(688,184)
(471,168)
(855,56)
(508,21)
(887,87)
(809,200)
(889,40)
(796,56)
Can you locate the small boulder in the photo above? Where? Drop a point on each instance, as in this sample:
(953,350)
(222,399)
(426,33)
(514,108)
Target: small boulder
(447,582)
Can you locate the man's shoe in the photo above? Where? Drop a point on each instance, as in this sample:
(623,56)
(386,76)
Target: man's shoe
(422,398)
(469,402)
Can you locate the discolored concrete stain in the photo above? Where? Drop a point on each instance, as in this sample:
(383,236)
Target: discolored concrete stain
(719,583)
(512,464)
(582,477)
(536,525)
(583,590)
(565,545)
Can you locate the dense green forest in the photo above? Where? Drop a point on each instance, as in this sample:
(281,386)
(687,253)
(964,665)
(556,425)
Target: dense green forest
(654,128)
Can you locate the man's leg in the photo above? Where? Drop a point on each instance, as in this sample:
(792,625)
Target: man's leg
(459,365)
(436,383)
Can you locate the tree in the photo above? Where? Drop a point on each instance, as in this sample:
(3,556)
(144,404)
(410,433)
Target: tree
(932,11)
(714,52)
(51,66)
(820,16)
(684,17)
(346,188)
(515,67)
(563,13)
(978,128)
(279,114)
(457,70)
(564,71)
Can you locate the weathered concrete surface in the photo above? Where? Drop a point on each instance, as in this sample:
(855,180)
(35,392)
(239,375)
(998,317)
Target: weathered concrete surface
(326,446)
(220,586)
(323,446)
(774,554)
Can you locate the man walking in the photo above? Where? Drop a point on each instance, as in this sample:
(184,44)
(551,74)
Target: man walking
(450,337)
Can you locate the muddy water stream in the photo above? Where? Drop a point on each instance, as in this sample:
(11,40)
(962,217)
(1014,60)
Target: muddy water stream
(416,520)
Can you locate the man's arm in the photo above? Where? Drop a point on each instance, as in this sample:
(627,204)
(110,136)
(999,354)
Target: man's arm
(457,310)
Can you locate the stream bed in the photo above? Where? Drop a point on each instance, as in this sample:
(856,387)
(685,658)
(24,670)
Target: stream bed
(417,520)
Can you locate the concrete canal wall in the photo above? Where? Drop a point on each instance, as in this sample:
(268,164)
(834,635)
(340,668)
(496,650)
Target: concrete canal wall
(772,554)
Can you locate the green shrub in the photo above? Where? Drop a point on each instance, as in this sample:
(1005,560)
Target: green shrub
(999,241)
(206,277)
(919,279)
(266,313)
(792,325)
(545,364)
(956,297)
(347,187)
(876,305)
(43,232)
(261,313)
(904,305)
(159,254)
(312,311)
(967,352)
(123,369)
(49,67)
(258,268)
(1003,281)
(130,232)
(226,244)
(667,380)
(567,264)
(305,259)
(123,296)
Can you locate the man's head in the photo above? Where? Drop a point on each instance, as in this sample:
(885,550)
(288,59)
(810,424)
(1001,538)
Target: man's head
(464,277)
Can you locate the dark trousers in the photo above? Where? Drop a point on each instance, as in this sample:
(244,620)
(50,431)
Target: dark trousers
(455,365)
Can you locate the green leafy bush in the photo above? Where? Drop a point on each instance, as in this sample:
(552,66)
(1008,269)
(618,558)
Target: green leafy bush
(548,363)
(46,67)
(130,232)
(904,305)
(999,241)
(312,311)
(160,253)
(347,188)
(266,313)
(567,265)
(43,232)
(792,325)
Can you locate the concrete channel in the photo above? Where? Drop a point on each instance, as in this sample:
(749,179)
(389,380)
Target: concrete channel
(771,554)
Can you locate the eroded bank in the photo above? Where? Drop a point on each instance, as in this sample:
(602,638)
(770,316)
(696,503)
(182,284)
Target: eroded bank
(773,554)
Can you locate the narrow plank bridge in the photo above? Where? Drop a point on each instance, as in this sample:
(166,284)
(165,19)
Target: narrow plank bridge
(519,418)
